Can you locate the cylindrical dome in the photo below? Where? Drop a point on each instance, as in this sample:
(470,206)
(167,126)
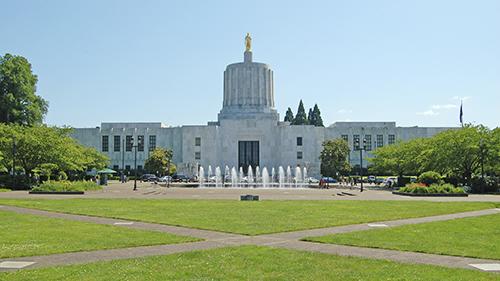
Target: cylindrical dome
(248,85)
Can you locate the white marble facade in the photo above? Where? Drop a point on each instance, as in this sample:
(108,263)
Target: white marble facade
(248,114)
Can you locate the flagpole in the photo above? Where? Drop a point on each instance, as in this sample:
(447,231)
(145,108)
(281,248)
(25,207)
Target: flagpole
(461,113)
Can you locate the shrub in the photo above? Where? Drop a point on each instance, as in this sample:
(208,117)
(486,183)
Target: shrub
(62,176)
(432,189)
(59,186)
(430,178)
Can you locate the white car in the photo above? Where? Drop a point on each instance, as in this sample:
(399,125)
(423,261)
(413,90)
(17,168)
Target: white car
(165,179)
(312,180)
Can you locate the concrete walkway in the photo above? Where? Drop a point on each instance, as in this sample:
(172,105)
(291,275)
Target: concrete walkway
(215,239)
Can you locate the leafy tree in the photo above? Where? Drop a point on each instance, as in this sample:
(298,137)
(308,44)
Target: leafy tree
(159,160)
(459,152)
(18,102)
(334,158)
(301,117)
(430,177)
(316,117)
(402,158)
(39,146)
(289,115)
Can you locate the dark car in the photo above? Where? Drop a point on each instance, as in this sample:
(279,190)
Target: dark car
(180,178)
(148,177)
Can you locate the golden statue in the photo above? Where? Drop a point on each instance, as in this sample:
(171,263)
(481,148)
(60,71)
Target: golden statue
(248,43)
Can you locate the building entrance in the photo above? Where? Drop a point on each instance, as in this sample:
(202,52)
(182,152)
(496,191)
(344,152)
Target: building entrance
(248,154)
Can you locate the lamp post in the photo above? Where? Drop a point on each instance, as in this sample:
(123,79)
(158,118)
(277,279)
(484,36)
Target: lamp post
(123,160)
(14,162)
(481,148)
(361,148)
(135,159)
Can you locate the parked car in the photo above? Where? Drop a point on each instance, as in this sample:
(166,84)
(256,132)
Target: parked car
(312,180)
(329,180)
(148,177)
(379,180)
(390,181)
(371,179)
(180,178)
(165,179)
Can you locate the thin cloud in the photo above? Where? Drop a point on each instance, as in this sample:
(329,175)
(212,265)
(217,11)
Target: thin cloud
(461,98)
(429,112)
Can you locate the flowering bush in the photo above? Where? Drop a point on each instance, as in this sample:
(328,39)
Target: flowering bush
(421,188)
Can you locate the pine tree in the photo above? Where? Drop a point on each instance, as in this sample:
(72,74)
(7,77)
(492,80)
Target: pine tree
(318,121)
(301,117)
(310,117)
(289,115)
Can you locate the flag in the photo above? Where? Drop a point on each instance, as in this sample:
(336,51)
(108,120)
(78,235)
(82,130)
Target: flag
(461,114)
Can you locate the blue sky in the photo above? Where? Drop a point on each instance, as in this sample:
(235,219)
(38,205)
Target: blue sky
(404,61)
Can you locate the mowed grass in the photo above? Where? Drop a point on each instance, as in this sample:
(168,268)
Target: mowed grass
(247,263)
(4,190)
(28,235)
(477,237)
(250,218)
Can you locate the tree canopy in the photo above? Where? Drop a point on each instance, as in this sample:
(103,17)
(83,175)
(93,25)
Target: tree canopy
(301,117)
(454,153)
(41,147)
(159,161)
(289,115)
(18,102)
(334,158)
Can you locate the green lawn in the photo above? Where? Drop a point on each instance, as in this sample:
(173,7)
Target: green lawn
(4,190)
(250,217)
(247,263)
(472,237)
(29,235)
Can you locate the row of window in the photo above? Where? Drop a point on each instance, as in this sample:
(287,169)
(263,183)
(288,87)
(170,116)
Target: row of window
(127,167)
(379,141)
(117,143)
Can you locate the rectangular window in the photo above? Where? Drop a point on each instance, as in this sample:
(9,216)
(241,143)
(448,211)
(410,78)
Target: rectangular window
(391,139)
(299,154)
(127,167)
(105,143)
(115,167)
(299,141)
(345,137)
(139,167)
(197,155)
(116,143)
(152,143)
(128,143)
(368,139)
(197,141)
(355,142)
(380,141)
(140,143)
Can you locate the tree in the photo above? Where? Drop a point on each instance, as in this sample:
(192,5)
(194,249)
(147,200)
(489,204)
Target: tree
(18,102)
(459,153)
(310,117)
(316,116)
(159,160)
(334,158)
(301,117)
(289,115)
(40,145)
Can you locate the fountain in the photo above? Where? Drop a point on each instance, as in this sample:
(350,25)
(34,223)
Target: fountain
(218,177)
(281,175)
(209,173)
(201,176)
(250,176)
(288,176)
(298,176)
(265,178)
(273,175)
(234,177)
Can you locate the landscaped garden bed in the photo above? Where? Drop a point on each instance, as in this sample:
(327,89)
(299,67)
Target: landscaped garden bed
(421,189)
(65,187)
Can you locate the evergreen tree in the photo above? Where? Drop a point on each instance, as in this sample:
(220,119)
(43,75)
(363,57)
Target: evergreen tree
(310,117)
(289,115)
(318,121)
(301,117)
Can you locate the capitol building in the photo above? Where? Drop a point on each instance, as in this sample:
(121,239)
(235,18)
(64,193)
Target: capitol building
(248,131)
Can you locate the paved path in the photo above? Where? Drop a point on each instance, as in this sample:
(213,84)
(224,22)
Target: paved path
(147,190)
(215,239)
